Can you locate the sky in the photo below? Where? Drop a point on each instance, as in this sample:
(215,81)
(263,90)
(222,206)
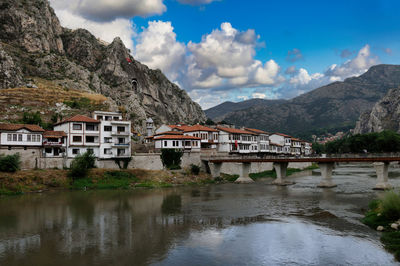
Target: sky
(234,50)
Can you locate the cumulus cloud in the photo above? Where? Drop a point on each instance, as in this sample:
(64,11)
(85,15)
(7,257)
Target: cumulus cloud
(109,10)
(196,2)
(157,47)
(294,55)
(290,70)
(106,31)
(354,67)
(258,95)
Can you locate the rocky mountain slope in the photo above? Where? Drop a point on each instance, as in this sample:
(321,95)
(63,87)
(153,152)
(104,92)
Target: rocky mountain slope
(333,107)
(385,115)
(34,48)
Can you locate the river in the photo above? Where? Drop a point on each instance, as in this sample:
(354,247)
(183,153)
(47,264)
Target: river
(225,224)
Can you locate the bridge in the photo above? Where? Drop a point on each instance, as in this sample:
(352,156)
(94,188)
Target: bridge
(326,164)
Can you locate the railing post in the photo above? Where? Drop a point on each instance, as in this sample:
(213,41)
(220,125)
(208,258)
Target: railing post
(244,177)
(381,169)
(326,173)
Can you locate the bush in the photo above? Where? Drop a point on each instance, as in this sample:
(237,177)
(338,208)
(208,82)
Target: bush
(125,162)
(81,164)
(171,158)
(390,205)
(10,163)
(195,169)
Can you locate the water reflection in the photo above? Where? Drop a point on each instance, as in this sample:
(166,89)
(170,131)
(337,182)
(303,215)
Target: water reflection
(219,224)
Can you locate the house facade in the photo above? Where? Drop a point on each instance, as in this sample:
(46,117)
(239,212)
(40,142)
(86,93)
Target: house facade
(282,140)
(54,144)
(234,140)
(115,135)
(262,139)
(20,136)
(177,141)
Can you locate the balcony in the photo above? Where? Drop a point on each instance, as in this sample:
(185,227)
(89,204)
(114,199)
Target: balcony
(120,133)
(52,143)
(121,144)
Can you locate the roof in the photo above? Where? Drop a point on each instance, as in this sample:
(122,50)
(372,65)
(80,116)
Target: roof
(296,139)
(15,127)
(276,144)
(169,133)
(235,131)
(54,134)
(283,135)
(177,137)
(197,128)
(258,131)
(79,118)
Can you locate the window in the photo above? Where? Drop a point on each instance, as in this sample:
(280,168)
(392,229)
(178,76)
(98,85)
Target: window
(99,117)
(108,151)
(9,137)
(14,137)
(121,152)
(91,127)
(75,151)
(77,139)
(107,140)
(33,138)
(121,129)
(38,138)
(90,139)
(116,118)
(29,138)
(48,150)
(108,118)
(107,128)
(77,126)
(121,140)
(165,143)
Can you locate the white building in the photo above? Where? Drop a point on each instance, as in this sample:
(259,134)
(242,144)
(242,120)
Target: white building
(296,146)
(208,136)
(177,141)
(262,139)
(234,140)
(83,135)
(115,135)
(282,140)
(149,127)
(20,135)
(54,143)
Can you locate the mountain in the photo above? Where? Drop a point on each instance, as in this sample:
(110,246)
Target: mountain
(53,70)
(218,112)
(331,108)
(385,115)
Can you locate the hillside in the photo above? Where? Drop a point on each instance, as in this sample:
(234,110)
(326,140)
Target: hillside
(333,107)
(40,60)
(385,115)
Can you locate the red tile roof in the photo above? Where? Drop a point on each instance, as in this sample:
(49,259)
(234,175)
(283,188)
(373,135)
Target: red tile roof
(79,118)
(283,135)
(54,134)
(15,127)
(177,137)
(258,131)
(169,133)
(197,128)
(235,131)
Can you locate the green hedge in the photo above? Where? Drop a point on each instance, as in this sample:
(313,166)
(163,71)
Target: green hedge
(10,163)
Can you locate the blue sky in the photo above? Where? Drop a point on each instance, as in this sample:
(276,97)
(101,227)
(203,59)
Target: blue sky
(235,50)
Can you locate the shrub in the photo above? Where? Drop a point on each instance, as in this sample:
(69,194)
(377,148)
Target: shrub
(81,164)
(125,162)
(171,158)
(390,205)
(195,169)
(10,163)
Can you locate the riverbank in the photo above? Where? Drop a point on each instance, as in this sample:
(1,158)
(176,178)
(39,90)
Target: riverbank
(384,215)
(40,180)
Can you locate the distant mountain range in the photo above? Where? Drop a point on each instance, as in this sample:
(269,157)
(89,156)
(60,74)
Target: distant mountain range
(331,108)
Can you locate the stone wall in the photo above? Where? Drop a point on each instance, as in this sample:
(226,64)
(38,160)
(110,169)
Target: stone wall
(30,157)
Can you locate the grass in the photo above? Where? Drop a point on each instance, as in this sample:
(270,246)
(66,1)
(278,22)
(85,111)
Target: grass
(152,184)
(110,180)
(384,212)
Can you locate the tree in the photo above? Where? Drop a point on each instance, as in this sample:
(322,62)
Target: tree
(81,165)
(171,158)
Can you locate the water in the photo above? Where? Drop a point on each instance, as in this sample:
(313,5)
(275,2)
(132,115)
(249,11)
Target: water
(256,224)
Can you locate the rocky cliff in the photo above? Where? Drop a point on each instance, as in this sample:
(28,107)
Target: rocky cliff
(385,115)
(35,48)
(331,108)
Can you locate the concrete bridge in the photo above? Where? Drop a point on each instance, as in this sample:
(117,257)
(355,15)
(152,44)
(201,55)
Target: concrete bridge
(326,164)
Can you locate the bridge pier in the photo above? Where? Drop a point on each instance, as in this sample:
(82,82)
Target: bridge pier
(280,169)
(244,174)
(326,173)
(215,169)
(381,169)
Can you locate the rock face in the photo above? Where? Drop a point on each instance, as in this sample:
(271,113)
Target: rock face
(35,45)
(385,115)
(334,107)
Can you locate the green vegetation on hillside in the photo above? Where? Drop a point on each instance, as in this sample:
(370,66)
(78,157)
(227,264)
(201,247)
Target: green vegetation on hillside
(385,141)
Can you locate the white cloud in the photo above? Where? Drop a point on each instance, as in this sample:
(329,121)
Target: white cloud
(354,67)
(258,95)
(243,97)
(157,47)
(109,10)
(294,55)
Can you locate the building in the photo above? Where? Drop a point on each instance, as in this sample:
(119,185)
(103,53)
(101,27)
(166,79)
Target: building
(234,140)
(282,140)
(208,136)
(83,135)
(149,127)
(295,146)
(20,136)
(177,140)
(262,139)
(115,135)
(54,144)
